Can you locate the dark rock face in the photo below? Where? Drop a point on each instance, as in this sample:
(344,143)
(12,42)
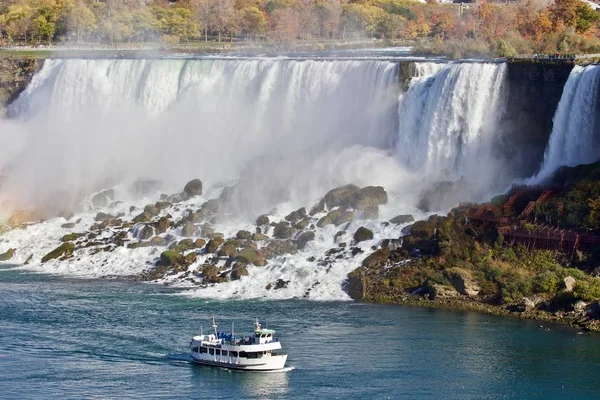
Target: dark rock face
(193,188)
(64,250)
(15,75)
(363,234)
(340,196)
(189,229)
(304,238)
(402,219)
(262,220)
(239,270)
(7,255)
(283,230)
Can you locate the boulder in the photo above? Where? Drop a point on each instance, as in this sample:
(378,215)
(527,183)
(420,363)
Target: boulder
(283,230)
(356,284)
(302,224)
(462,281)
(71,237)
(259,237)
(334,214)
(344,217)
(442,292)
(182,245)
(171,258)
(238,270)
(143,217)
(227,250)
(278,248)
(199,243)
(193,188)
(525,305)
(245,235)
(377,259)
(103,217)
(8,255)
(103,198)
(152,210)
(296,215)
(211,274)
(161,205)
(214,243)
(371,213)
(340,196)
(143,232)
(64,250)
(304,238)
(68,225)
(158,241)
(324,222)
(363,234)
(338,235)
(370,196)
(402,219)
(281,284)
(250,256)
(568,283)
(262,220)
(162,224)
(188,229)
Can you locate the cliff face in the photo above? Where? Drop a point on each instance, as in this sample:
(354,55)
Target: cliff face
(534,91)
(15,75)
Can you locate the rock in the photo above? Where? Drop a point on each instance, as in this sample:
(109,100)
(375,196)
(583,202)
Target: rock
(138,244)
(377,259)
(64,250)
(356,284)
(340,196)
(318,208)
(568,283)
(143,217)
(296,215)
(259,237)
(103,198)
(281,284)
(250,256)
(143,232)
(103,217)
(302,224)
(71,237)
(227,250)
(304,238)
(68,225)
(182,246)
(152,210)
(279,248)
(344,217)
(402,219)
(239,270)
(334,214)
(188,229)
(283,230)
(158,241)
(193,188)
(245,235)
(171,258)
(210,274)
(207,230)
(371,213)
(199,243)
(161,205)
(442,292)
(262,220)
(213,206)
(324,222)
(338,235)
(162,225)
(363,234)
(28,260)
(368,197)
(215,235)
(526,304)
(214,243)
(580,306)
(8,255)
(463,282)
(23,217)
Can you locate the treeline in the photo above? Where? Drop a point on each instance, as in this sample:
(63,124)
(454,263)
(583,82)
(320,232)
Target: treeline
(505,29)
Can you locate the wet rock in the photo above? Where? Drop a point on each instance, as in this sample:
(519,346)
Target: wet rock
(250,256)
(227,250)
(213,206)
(262,220)
(71,237)
(281,284)
(162,205)
(334,214)
(103,198)
(68,225)
(377,259)
(259,237)
(568,283)
(182,246)
(8,255)
(103,217)
(368,197)
(344,217)
(206,230)
(245,235)
(340,195)
(193,188)
(283,230)
(214,243)
(324,222)
(371,213)
(525,305)
(158,241)
(392,244)
(188,229)
(302,224)
(64,250)
(171,258)
(211,274)
(28,260)
(317,208)
(143,217)
(363,234)
(279,248)
(338,235)
(402,219)
(239,270)
(141,243)
(296,215)
(215,235)
(162,225)
(144,232)
(199,243)
(304,238)
(151,210)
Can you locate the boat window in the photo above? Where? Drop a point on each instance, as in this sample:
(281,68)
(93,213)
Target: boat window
(243,354)
(211,352)
(233,353)
(195,350)
(224,352)
(218,352)
(203,350)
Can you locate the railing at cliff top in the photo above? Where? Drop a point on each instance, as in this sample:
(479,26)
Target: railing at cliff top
(564,57)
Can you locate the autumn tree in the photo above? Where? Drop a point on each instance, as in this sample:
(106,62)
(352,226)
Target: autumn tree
(81,21)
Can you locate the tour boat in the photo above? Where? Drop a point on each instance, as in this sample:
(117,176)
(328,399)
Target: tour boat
(252,353)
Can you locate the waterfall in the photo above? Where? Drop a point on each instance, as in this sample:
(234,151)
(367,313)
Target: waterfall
(448,118)
(574,139)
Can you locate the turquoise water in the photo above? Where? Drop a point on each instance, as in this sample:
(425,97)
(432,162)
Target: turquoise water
(65,338)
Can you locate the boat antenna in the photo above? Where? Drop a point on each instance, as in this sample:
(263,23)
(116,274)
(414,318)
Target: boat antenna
(214,325)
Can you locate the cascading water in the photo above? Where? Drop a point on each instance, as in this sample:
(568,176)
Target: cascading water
(448,118)
(575,135)
(286,130)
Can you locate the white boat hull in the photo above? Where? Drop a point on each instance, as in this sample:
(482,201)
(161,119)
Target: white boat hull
(273,362)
